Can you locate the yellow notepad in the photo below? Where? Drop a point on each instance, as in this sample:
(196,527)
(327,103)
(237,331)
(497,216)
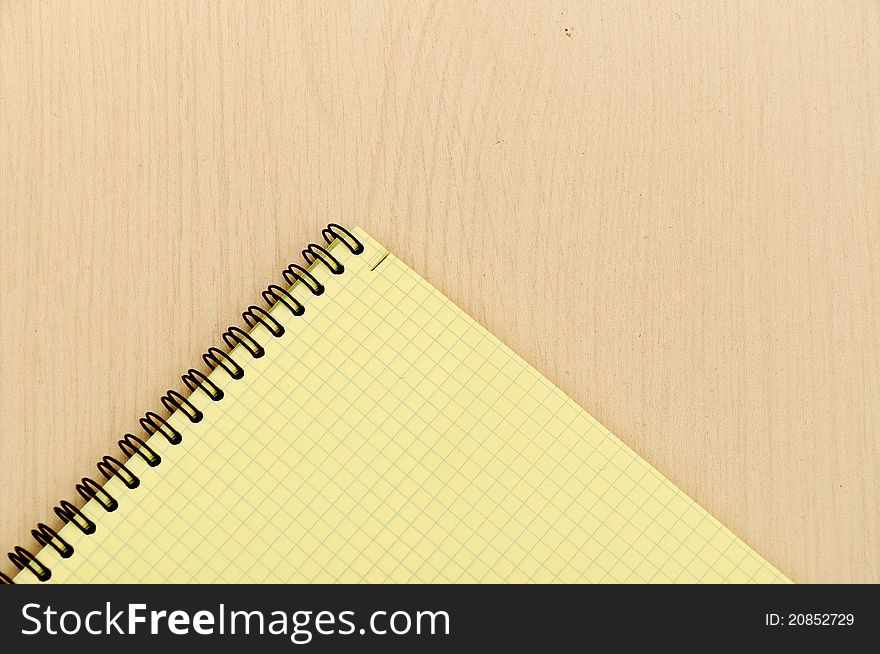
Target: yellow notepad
(385,437)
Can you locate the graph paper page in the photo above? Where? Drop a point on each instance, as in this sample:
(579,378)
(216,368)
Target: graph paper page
(387,437)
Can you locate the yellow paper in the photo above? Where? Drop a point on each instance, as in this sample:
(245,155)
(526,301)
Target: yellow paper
(387,437)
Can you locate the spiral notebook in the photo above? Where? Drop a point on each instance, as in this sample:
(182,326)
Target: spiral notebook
(364,429)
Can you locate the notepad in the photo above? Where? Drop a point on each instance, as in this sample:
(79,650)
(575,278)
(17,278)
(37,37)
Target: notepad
(384,436)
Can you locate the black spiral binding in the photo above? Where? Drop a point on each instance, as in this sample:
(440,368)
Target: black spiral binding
(173,401)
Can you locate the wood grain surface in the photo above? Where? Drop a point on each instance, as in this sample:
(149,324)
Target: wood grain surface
(671,209)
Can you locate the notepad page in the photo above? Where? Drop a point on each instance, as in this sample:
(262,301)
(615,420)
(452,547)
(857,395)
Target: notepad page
(387,437)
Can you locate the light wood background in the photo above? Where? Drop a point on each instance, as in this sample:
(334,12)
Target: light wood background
(671,209)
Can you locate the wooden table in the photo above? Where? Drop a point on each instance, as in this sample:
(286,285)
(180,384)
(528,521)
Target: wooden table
(671,209)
